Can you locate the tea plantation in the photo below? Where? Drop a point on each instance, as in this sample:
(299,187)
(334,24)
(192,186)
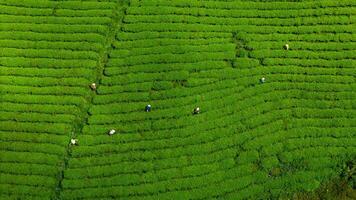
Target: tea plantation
(252,139)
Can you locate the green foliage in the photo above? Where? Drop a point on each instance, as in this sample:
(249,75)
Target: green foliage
(162,85)
(278,140)
(246,63)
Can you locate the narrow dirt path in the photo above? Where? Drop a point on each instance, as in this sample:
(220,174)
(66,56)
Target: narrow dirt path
(114,28)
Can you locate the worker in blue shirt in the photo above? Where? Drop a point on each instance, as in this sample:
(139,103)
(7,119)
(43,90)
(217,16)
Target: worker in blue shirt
(148,108)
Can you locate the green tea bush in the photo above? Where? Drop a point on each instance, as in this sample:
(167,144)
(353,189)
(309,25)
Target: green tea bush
(251,140)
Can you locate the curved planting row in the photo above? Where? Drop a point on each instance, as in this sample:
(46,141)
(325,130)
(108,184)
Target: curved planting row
(50,52)
(251,140)
(274,81)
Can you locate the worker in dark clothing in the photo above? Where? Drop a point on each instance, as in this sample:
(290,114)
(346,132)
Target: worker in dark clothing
(148,108)
(196,110)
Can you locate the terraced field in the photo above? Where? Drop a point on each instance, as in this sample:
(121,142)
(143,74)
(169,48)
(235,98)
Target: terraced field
(252,140)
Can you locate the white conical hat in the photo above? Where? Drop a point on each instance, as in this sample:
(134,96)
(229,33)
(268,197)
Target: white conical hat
(73,141)
(112,132)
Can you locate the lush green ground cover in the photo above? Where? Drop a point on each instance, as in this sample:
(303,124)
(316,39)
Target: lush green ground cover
(289,135)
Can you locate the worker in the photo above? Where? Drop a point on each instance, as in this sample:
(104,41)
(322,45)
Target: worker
(73,141)
(112,132)
(196,110)
(286,46)
(263,80)
(93,86)
(148,108)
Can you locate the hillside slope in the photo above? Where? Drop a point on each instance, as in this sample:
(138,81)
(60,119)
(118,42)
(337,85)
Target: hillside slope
(252,140)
